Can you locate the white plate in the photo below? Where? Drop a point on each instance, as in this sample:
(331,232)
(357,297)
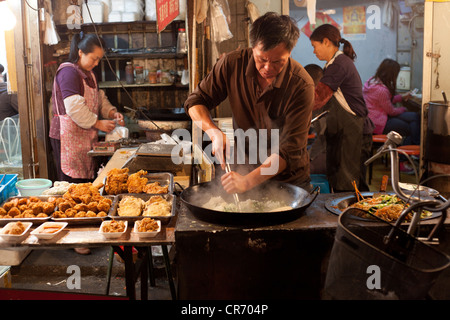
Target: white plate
(149,234)
(38,232)
(111,235)
(14,237)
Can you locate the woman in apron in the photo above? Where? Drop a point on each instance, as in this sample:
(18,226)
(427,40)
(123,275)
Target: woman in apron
(80,109)
(349,130)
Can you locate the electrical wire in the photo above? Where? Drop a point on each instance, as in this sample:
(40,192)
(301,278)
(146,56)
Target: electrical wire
(111,68)
(26,1)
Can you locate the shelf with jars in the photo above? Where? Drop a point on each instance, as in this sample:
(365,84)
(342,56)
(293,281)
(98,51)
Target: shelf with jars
(157,62)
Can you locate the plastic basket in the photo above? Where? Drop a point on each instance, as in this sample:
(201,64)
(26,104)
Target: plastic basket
(406,268)
(8,187)
(320,180)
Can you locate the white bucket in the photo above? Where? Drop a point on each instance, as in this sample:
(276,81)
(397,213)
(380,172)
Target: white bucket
(404,78)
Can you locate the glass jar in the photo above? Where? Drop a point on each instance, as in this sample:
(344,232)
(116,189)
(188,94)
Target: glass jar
(166,77)
(181,41)
(129,76)
(139,71)
(152,76)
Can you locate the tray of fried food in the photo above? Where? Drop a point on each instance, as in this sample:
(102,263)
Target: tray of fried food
(83,204)
(135,206)
(36,209)
(119,181)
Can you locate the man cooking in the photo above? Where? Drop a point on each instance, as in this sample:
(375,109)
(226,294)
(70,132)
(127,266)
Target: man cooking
(266,89)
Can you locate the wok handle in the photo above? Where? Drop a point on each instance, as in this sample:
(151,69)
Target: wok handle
(314,192)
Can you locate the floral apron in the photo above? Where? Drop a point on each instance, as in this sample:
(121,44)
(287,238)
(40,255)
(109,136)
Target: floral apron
(76,142)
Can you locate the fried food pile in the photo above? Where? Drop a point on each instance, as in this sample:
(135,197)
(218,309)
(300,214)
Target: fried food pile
(17,228)
(119,181)
(116,181)
(137,181)
(82,200)
(156,188)
(157,206)
(27,207)
(113,226)
(135,206)
(147,225)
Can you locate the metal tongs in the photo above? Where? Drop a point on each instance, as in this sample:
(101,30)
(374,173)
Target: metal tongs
(235,196)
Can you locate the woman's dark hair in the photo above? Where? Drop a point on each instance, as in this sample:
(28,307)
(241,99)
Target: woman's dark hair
(271,29)
(332,33)
(387,73)
(86,43)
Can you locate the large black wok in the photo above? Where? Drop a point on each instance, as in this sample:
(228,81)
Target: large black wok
(299,199)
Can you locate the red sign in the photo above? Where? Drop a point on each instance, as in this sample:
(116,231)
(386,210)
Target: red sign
(166,11)
(321,18)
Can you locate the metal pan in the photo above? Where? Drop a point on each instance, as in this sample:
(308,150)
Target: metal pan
(87,220)
(35,220)
(299,199)
(164,179)
(164,219)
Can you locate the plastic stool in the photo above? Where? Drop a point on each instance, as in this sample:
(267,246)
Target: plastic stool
(377,141)
(412,150)
(320,180)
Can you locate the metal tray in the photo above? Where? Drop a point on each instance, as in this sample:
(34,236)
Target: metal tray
(88,220)
(164,219)
(337,205)
(35,221)
(164,179)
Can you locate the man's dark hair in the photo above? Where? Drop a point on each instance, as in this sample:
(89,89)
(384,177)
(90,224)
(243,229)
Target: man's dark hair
(2,68)
(315,71)
(271,29)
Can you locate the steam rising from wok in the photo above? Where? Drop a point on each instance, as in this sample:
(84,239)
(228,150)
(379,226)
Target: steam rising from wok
(271,196)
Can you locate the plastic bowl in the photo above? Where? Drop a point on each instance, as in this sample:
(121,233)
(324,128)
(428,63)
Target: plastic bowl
(33,187)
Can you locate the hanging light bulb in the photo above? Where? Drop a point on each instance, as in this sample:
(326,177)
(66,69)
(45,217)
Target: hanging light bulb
(7,18)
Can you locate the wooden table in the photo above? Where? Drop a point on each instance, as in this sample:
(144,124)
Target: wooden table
(88,236)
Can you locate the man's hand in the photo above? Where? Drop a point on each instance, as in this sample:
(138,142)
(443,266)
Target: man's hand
(233,182)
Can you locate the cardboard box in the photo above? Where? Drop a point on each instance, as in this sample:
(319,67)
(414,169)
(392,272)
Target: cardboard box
(106,146)
(13,256)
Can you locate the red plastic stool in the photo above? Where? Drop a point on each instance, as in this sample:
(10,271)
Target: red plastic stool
(377,141)
(412,150)
(379,138)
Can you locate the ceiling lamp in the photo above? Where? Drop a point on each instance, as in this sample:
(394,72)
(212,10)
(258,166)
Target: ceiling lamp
(7,18)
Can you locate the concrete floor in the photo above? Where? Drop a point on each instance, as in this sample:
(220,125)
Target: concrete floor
(48,270)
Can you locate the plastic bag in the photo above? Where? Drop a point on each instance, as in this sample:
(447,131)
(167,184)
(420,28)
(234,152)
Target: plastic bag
(118,133)
(219,22)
